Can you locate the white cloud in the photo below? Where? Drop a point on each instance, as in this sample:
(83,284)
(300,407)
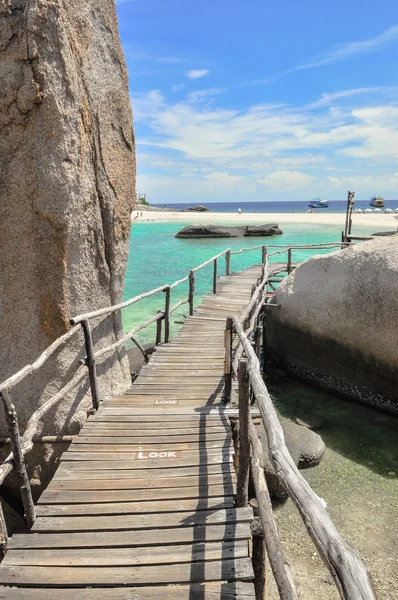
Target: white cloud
(197,73)
(268,148)
(350,50)
(286,180)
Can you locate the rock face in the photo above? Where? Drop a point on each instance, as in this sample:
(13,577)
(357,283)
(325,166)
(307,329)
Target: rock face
(67,168)
(210,230)
(342,308)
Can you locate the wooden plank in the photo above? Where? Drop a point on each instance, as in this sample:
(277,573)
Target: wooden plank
(125,444)
(169,436)
(123,557)
(67,470)
(141,521)
(167,421)
(133,539)
(91,576)
(143,507)
(57,496)
(86,461)
(223,591)
(148,483)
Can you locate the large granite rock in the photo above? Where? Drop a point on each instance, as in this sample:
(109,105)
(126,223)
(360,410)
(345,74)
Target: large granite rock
(342,308)
(211,230)
(67,168)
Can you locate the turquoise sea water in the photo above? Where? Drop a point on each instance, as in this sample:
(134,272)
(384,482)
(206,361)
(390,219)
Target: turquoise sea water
(157,258)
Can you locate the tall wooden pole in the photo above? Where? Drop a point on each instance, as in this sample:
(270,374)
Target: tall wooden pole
(228,360)
(228,262)
(242,489)
(19,461)
(215,276)
(167,316)
(191,291)
(92,369)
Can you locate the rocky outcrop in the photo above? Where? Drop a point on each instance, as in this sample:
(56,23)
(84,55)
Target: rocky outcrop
(211,230)
(67,168)
(385,233)
(198,208)
(342,308)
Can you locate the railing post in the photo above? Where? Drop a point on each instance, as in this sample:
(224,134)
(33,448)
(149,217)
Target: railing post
(228,262)
(92,369)
(3,534)
(242,491)
(289,260)
(264,336)
(19,462)
(263,260)
(158,330)
(191,291)
(215,276)
(167,316)
(228,360)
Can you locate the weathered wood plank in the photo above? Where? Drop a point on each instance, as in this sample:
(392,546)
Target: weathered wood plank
(128,445)
(199,482)
(142,521)
(62,496)
(67,470)
(135,508)
(84,576)
(121,557)
(133,539)
(223,591)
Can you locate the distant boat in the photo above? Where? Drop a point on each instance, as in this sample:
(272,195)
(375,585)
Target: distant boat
(376,201)
(318,203)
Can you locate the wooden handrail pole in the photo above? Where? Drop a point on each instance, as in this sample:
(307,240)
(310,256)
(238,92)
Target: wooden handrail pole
(215,276)
(228,262)
(20,467)
(158,330)
(3,534)
(264,338)
(289,260)
(167,316)
(92,369)
(257,341)
(263,260)
(242,490)
(191,291)
(228,360)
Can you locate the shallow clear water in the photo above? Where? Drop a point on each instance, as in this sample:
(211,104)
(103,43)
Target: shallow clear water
(157,258)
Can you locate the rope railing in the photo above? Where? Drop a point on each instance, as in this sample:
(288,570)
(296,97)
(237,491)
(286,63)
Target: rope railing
(87,365)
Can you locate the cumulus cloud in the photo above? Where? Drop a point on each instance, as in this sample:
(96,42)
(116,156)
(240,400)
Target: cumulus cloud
(286,180)
(269,148)
(197,73)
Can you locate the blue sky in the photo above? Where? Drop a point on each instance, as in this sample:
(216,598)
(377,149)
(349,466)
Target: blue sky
(263,100)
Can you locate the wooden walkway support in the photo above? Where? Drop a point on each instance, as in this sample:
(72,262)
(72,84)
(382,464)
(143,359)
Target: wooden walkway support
(145,494)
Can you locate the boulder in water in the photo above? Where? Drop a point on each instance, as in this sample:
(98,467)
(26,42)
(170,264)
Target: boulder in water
(211,230)
(343,309)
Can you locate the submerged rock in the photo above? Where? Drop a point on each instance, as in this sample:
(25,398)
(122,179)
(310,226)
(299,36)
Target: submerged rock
(306,449)
(343,309)
(211,230)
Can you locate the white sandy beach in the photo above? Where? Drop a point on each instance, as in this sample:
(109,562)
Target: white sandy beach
(364,220)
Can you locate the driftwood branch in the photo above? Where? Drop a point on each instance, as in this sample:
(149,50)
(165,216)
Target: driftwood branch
(350,574)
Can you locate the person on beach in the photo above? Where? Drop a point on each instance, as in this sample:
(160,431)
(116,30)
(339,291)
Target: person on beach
(239,211)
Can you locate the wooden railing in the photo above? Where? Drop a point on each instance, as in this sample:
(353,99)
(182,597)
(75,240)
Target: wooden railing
(21,445)
(349,573)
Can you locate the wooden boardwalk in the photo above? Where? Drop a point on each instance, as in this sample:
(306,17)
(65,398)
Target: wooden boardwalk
(142,504)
